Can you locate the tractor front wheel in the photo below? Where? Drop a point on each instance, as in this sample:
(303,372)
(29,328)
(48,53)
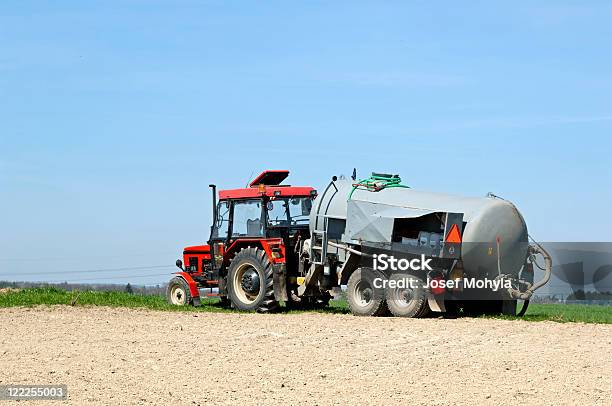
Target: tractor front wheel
(250,283)
(178,293)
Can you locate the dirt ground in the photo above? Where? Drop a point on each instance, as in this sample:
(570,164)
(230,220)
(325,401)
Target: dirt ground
(124,357)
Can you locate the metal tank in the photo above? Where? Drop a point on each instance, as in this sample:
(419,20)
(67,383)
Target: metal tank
(494,238)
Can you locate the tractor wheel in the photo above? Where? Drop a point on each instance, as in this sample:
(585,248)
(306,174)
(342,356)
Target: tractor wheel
(250,283)
(178,293)
(363,298)
(409,299)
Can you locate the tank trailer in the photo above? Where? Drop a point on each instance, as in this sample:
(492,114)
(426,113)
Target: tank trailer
(392,248)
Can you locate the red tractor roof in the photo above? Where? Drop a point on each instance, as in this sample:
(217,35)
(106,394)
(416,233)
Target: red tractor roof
(267,184)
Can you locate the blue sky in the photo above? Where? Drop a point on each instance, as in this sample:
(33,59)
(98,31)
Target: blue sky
(115,116)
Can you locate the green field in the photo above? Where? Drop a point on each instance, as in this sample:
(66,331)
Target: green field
(53,296)
(568,312)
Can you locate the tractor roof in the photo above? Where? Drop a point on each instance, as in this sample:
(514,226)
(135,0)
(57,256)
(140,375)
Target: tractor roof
(267,183)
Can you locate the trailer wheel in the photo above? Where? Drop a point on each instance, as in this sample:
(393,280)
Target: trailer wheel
(250,283)
(363,297)
(408,298)
(178,293)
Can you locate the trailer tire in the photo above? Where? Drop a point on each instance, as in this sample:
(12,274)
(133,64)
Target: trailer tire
(363,298)
(250,281)
(407,301)
(178,292)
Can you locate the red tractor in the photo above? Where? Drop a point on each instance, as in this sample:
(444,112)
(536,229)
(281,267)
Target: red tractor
(252,256)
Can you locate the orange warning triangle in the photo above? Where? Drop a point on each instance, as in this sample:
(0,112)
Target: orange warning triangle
(453,235)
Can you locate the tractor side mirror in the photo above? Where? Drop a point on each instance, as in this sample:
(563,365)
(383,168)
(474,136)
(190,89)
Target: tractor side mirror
(179,264)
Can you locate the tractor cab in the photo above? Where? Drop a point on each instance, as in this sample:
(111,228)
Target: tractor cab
(266,209)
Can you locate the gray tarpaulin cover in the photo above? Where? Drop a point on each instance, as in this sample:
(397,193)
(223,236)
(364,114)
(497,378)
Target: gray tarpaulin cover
(373,222)
(370,215)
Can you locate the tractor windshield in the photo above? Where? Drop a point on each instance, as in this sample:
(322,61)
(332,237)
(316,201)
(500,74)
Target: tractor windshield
(291,211)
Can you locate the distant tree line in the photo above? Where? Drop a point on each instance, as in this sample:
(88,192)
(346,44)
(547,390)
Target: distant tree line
(106,287)
(582,295)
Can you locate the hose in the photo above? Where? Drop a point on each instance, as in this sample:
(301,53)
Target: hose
(523,309)
(377,182)
(547,264)
(526,295)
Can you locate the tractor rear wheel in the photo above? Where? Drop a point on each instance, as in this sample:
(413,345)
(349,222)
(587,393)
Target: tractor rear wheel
(408,297)
(363,297)
(250,283)
(178,293)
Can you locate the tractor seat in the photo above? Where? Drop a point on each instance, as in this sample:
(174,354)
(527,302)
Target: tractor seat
(254,227)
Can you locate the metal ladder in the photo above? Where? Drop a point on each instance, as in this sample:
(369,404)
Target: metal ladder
(318,246)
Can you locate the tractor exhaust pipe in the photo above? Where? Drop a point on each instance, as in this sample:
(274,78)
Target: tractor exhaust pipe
(214,208)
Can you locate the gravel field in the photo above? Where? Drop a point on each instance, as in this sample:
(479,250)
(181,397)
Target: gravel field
(120,356)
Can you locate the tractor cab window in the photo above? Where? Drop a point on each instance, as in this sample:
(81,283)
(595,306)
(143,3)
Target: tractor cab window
(291,211)
(247,219)
(278,213)
(299,210)
(222,222)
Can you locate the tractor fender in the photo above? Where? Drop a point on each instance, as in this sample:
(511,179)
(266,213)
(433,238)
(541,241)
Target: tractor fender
(193,286)
(266,244)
